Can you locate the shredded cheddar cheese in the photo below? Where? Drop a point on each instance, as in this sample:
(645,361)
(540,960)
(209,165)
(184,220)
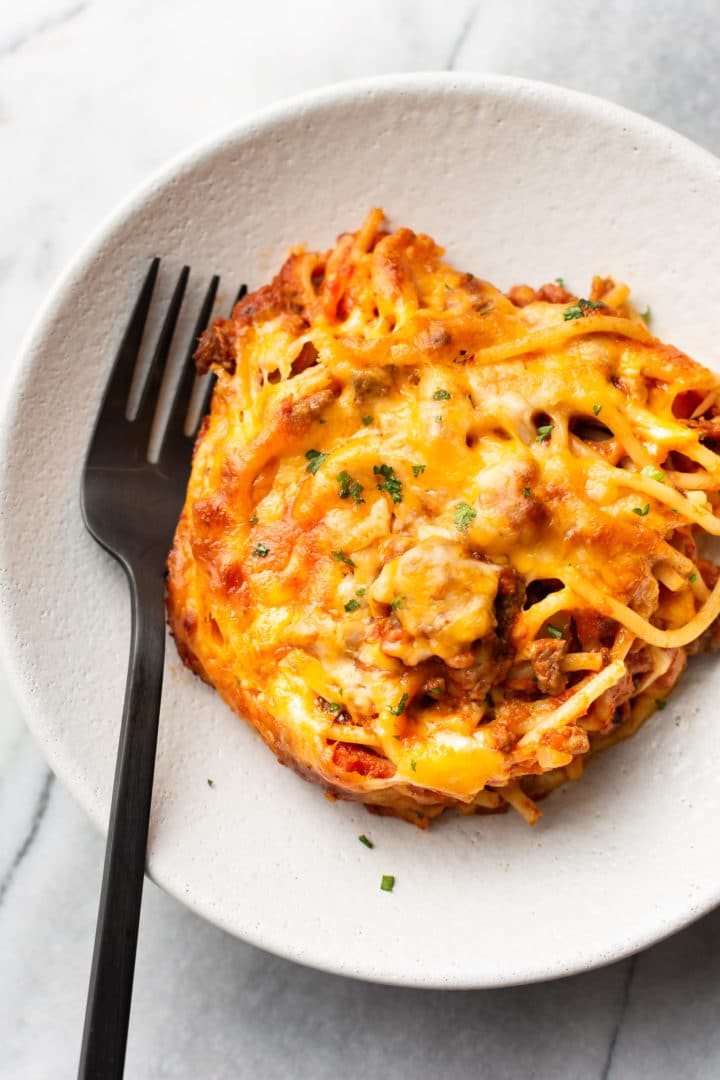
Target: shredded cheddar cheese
(439,543)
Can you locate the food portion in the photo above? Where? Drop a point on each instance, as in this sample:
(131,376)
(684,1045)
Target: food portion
(440,542)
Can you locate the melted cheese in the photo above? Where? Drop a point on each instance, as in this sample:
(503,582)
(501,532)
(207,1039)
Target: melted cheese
(397,454)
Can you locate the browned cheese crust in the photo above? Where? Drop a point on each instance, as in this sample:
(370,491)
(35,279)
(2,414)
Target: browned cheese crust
(439,542)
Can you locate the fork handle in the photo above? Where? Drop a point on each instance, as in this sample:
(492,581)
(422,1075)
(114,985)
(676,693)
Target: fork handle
(113,964)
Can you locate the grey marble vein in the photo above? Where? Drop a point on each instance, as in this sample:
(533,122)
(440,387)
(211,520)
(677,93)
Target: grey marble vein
(51,22)
(630,965)
(465,29)
(38,813)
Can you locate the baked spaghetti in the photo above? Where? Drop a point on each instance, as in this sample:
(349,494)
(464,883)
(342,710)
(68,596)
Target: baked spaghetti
(439,542)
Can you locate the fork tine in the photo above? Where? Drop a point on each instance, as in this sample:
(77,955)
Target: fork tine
(153,380)
(183,393)
(118,387)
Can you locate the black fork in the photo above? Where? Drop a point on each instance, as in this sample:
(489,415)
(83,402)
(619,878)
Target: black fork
(131,506)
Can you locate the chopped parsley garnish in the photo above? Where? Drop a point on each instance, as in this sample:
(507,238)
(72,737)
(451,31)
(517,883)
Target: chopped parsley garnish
(417,469)
(352,605)
(340,556)
(391,484)
(436,691)
(646,314)
(262,550)
(413,766)
(254,519)
(654,473)
(399,709)
(367,420)
(321,420)
(388,883)
(441,395)
(315,459)
(693,577)
(364,840)
(485,310)
(211,783)
(554,631)
(597,409)
(464,516)
(398,602)
(577,311)
(360,591)
(660,702)
(526,492)
(544,432)
(438,419)
(349,488)
(560,281)
(333,706)
(641,511)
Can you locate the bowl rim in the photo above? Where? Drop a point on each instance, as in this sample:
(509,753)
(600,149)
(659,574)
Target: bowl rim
(256,124)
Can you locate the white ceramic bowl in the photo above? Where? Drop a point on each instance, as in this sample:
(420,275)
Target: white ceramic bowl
(521,182)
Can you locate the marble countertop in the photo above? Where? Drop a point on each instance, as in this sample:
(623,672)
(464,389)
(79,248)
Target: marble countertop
(94,94)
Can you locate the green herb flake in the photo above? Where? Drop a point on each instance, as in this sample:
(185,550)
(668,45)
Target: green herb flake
(417,469)
(315,459)
(436,691)
(577,311)
(526,492)
(367,420)
(254,519)
(391,484)
(438,419)
(544,432)
(333,706)
(387,883)
(560,281)
(398,602)
(262,550)
(641,511)
(361,591)
(654,473)
(321,420)
(399,709)
(413,766)
(693,577)
(352,605)
(340,556)
(364,840)
(211,783)
(554,631)
(660,703)
(464,516)
(597,409)
(349,488)
(441,395)
(646,314)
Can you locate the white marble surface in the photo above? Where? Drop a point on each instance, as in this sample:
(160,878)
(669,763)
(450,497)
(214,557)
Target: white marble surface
(93,95)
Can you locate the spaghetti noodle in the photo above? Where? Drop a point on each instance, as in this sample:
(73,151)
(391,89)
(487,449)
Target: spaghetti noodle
(440,543)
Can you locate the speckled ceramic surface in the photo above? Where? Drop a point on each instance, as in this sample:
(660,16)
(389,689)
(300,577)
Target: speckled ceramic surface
(520,182)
